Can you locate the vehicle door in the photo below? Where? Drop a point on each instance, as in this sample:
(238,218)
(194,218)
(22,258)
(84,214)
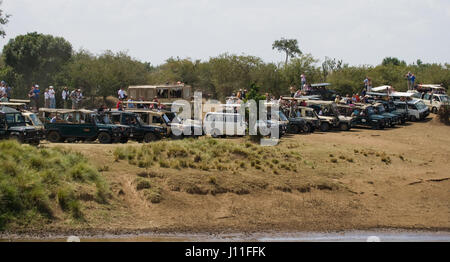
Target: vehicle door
(427,100)
(241,127)
(3,127)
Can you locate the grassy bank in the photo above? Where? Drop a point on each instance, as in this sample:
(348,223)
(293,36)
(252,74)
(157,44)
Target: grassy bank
(42,185)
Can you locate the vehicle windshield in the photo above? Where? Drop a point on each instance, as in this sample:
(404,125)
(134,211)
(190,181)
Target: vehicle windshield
(381,109)
(283,117)
(36,121)
(172,118)
(103,119)
(420,105)
(15,118)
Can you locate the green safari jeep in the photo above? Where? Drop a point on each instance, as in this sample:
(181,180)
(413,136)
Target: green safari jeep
(81,125)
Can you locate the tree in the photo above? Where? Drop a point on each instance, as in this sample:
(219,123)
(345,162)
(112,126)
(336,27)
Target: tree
(4,19)
(36,57)
(289,46)
(393,61)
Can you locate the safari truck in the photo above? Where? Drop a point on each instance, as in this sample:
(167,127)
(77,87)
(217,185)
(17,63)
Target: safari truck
(434,97)
(415,108)
(13,126)
(218,124)
(329,116)
(389,106)
(81,125)
(391,119)
(307,114)
(174,126)
(139,130)
(31,119)
(363,115)
(164,93)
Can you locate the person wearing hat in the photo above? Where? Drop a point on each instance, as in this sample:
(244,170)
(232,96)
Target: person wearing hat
(46,99)
(51,96)
(36,92)
(65,97)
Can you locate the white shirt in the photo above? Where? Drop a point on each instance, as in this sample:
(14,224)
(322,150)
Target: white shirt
(65,94)
(51,93)
(2,90)
(121,93)
(46,95)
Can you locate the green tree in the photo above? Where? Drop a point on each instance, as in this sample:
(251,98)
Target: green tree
(36,57)
(4,19)
(393,61)
(289,46)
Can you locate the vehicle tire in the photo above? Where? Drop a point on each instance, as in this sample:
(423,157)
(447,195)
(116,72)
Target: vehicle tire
(215,133)
(54,137)
(35,142)
(413,118)
(380,127)
(16,138)
(150,137)
(294,129)
(306,129)
(104,138)
(344,127)
(434,110)
(324,127)
(124,140)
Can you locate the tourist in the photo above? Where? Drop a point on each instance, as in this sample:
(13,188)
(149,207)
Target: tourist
(413,80)
(52,98)
(46,99)
(4,98)
(36,92)
(121,93)
(65,97)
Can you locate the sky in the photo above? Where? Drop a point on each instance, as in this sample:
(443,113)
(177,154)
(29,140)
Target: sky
(360,32)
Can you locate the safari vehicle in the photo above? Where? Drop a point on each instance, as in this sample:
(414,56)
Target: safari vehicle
(307,114)
(416,109)
(364,115)
(170,121)
(139,131)
(321,91)
(329,116)
(389,106)
(219,124)
(433,101)
(391,119)
(13,126)
(31,119)
(165,93)
(81,125)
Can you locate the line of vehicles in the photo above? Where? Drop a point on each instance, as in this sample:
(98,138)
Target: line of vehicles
(295,116)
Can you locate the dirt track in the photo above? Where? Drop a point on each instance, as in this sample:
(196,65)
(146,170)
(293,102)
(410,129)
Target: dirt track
(396,178)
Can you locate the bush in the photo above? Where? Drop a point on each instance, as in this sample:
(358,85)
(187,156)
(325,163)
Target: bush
(444,114)
(33,182)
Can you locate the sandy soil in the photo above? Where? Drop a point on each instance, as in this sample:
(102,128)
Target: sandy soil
(395,178)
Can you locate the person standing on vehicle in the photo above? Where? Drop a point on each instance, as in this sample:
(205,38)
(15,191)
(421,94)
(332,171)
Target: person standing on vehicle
(65,97)
(408,80)
(52,98)
(303,80)
(46,99)
(412,79)
(36,92)
(73,97)
(121,93)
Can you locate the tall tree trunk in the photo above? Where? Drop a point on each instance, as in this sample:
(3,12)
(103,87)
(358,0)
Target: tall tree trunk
(287,59)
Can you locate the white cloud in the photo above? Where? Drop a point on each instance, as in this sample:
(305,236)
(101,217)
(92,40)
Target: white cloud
(360,32)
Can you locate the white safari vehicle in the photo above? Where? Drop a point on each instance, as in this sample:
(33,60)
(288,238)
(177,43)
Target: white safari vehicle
(433,96)
(219,124)
(415,108)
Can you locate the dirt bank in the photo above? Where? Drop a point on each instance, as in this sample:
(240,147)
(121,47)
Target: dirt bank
(363,179)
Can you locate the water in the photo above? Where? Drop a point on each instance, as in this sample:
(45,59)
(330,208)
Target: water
(348,236)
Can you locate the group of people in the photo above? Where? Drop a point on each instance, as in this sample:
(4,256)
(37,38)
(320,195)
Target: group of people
(131,103)
(349,100)
(75,96)
(411,80)
(5,92)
